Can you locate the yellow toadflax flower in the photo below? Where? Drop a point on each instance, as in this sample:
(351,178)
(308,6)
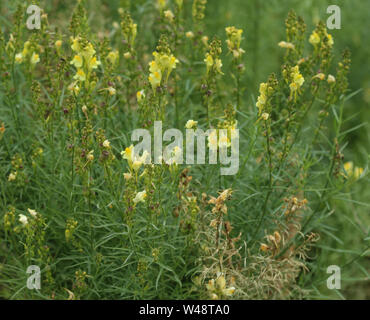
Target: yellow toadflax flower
(191,124)
(12,176)
(286,45)
(314,38)
(140,197)
(35,58)
(169,15)
(32,212)
(140,95)
(113,57)
(23,219)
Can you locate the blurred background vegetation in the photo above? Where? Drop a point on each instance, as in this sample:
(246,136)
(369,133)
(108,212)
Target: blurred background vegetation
(263,25)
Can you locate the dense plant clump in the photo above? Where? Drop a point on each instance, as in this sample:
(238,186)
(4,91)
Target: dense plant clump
(103,223)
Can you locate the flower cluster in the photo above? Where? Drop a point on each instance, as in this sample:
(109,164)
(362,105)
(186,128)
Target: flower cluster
(297,81)
(217,289)
(234,37)
(29,53)
(161,67)
(85,61)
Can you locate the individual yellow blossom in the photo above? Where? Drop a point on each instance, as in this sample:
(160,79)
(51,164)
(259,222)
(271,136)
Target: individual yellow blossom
(26,48)
(319,76)
(189,35)
(32,212)
(74,88)
(212,140)
(113,57)
(80,75)
(106,144)
(127,55)
(35,58)
(191,124)
(90,155)
(23,219)
(128,154)
(19,58)
(112,91)
(12,176)
(205,40)
(84,108)
(264,247)
(140,95)
(58,44)
(136,165)
(93,63)
(330,40)
(348,166)
(286,45)
(127,176)
(140,197)
(265,116)
(331,79)
(169,15)
(314,38)
(77,61)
